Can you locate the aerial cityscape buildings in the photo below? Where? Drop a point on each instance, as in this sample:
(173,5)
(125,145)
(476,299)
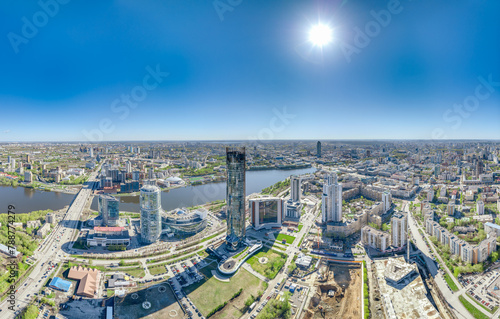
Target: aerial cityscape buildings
(250,160)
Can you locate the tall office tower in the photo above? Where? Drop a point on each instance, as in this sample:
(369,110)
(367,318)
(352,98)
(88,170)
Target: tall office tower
(150,202)
(9,159)
(318,149)
(91,152)
(13,163)
(295,188)
(399,229)
(28,158)
(386,200)
(128,167)
(332,199)
(235,196)
(108,209)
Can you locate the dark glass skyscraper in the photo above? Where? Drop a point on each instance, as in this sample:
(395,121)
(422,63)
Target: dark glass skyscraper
(235,196)
(108,209)
(318,149)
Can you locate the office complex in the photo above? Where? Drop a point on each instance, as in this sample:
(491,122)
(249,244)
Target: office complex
(332,199)
(399,227)
(235,196)
(266,212)
(184,223)
(108,210)
(318,149)
(150,203)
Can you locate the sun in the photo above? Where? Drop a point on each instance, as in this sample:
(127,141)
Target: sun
(320,35)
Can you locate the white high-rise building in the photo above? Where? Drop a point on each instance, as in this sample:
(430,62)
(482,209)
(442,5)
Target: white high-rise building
(128,167)
(332,199)
(480,207)
(295,188)
(91,152)
(430,194)
(150,202)
(399,228)
(386,200)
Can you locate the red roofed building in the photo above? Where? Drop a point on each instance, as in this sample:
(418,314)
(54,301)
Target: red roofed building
(109,229)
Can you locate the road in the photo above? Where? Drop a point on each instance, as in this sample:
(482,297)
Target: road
(451,297)
(53,249)
(307,221)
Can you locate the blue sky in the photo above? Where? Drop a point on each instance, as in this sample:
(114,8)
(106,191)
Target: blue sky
(229,78)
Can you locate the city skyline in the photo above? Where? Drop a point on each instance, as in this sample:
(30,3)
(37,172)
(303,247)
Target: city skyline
(203,80)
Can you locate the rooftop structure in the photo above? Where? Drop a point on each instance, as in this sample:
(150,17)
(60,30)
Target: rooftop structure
(407,300)
(89,280)
(183,222)
(60,284)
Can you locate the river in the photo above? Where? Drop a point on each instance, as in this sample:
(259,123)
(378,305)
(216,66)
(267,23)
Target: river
(26,200)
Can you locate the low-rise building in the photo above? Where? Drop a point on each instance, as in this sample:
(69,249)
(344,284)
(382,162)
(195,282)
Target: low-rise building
(43,231)
(107,236)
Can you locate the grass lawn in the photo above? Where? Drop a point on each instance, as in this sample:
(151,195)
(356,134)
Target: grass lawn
(157,269)
(300,226)
(483,306)
(274,264)
(289,239)
(450,282)
(210,293)
(473,310)
(136,272)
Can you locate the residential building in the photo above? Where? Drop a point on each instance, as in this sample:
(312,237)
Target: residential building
(28,177)
(399,229)
(375,238)
(150,203)
(332,199)
(450,209)
(480,207)
(386,200)
(43,231)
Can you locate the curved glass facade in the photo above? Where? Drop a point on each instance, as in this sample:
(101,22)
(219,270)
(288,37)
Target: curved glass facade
(150,202)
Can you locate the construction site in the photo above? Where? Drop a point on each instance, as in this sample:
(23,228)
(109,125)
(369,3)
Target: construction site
(338,292)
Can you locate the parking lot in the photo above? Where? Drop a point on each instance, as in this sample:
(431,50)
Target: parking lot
(298,295)
(482,287)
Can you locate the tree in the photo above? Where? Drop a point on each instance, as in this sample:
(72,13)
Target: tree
(494,256)
(122,262)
